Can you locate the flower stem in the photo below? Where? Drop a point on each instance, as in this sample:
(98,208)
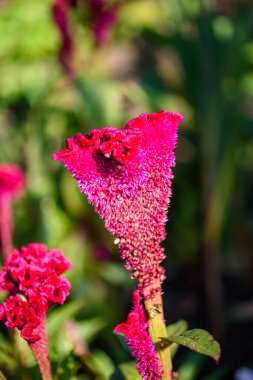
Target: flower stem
(157,328)
(40,352)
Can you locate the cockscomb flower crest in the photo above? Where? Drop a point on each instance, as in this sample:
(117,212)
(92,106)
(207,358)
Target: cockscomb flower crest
(135,330)
(126,174)
(32,278)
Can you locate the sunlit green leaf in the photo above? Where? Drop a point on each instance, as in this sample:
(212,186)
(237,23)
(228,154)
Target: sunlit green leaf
(100,364)
(126,371)
(175,329)
(90,328)
(197,340)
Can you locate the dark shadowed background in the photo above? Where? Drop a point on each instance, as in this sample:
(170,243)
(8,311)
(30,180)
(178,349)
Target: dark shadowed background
(194,57)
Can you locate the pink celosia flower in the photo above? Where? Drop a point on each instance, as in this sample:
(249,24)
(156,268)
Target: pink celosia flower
(11,180)
(11,185)
(135,331)
(127,175)
(60,11)
(103,17)
(32,277)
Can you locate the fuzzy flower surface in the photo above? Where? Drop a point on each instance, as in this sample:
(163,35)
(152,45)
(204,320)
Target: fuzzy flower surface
(12,180)
(135,330)
(126,174)
(32,278)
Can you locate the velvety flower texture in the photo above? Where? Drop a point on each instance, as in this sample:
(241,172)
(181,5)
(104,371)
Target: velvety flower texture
(32,277)
(127,175)
(135,331)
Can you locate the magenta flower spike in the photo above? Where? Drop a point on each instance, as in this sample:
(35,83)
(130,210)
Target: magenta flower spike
(126,174)
(135,331)
(12,181)
(32,278)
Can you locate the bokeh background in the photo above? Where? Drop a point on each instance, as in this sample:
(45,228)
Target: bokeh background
(194,57)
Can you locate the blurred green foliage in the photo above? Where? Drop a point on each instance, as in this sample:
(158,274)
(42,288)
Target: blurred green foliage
(191,57)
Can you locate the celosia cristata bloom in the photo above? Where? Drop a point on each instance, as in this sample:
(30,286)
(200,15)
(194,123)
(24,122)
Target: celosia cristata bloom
(32,278)
(135,331)
(127,175)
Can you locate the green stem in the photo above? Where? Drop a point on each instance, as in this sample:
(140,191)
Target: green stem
(157,328)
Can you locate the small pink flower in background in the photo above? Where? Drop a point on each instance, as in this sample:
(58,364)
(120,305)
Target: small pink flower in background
(101,17)
(126,174)
(60,11)
(32,277)
(135,331)
(12,182)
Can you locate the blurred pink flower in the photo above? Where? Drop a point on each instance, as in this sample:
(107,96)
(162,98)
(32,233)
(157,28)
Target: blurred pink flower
(12,182)
(32,277)
(135,331)
(103,17)
(127,175)
(60,10)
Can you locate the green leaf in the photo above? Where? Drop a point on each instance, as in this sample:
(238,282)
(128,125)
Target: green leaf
(6,360)
(175,329)
(66,369)
(129,371)
(90,328)
(100,364)
(59,316)
(197,340)
(191,366)
(126,371)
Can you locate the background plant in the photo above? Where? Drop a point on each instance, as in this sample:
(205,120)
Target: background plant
(189,57)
